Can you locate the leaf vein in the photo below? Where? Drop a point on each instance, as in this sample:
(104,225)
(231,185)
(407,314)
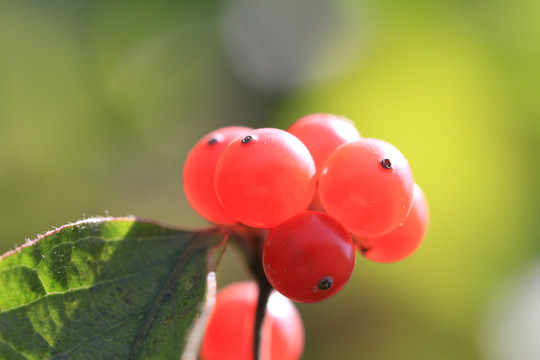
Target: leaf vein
(182,261)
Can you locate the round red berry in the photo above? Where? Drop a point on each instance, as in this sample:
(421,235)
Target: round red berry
(403,240)
(265,177)
(367,185)
(323,133)
(309,257)
(199,174)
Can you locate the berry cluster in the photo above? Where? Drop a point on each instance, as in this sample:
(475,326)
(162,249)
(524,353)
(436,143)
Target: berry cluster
(320,189)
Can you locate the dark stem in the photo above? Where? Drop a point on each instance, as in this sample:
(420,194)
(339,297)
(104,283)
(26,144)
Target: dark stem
(264,293)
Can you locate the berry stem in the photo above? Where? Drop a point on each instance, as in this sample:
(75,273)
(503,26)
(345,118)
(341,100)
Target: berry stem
(264,293)
(250,241)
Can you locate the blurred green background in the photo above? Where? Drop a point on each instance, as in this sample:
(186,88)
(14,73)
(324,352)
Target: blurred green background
(100,102)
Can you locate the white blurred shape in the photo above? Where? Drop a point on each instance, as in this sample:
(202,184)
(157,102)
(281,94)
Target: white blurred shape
(510,329)
(279,306)
(276,45)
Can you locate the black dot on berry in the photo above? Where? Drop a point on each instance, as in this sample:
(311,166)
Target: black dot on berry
(212,141)
(325,283)
(386,163)
(247,139)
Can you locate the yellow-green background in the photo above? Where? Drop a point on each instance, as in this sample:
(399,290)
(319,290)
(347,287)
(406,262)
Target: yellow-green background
(100,102)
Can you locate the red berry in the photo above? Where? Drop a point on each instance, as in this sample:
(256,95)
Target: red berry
(199,170)
(323,133)
(265,177)
(229,333)
(403,240)
(309,257)
(367,185)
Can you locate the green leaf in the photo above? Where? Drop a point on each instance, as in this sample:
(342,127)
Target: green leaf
(110,288)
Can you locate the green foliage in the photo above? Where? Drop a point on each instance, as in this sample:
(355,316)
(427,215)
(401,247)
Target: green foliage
(111,288)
